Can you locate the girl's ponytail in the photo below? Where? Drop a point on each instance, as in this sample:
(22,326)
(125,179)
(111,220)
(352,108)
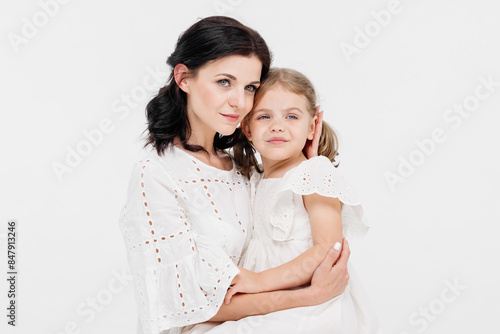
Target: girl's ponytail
(328,143)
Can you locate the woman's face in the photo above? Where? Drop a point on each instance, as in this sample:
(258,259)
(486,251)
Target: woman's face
(221,94)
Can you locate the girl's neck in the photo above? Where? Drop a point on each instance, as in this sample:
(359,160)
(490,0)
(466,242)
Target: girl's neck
(278,168)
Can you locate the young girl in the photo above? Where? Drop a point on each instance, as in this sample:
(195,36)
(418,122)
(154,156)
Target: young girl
(301,208)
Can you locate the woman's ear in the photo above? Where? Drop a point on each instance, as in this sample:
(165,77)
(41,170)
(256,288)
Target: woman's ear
(246,129)
(181,72)
(312,127)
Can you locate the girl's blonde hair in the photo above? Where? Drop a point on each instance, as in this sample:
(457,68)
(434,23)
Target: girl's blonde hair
(297,83)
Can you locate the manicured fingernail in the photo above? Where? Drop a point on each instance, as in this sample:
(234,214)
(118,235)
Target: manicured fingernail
(337,246)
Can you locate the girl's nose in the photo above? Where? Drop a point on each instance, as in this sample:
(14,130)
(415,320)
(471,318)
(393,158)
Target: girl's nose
(277,126)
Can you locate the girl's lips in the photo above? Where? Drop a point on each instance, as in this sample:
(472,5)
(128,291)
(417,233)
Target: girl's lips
(277,141)
(231,117)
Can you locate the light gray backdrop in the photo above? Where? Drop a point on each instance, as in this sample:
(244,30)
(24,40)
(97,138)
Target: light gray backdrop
(412,87)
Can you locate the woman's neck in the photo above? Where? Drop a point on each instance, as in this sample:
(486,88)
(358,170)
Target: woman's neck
(207,142)
(278,168)
(213,158)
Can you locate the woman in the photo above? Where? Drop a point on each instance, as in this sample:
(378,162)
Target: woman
(187,210)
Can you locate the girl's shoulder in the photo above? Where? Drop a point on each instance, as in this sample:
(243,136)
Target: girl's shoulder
(316,175)
(319,175)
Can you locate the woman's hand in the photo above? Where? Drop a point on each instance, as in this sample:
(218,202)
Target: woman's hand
(331,277)
(246,281)
(311,147)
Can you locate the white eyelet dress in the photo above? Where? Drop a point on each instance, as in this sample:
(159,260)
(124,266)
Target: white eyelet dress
(281,231)
(184,225)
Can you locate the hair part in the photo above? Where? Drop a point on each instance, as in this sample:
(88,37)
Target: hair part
(209,39)
(297,83)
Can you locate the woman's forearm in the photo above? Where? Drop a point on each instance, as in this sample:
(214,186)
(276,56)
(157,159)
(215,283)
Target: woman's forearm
(296,272)
(328,280)
(244,305)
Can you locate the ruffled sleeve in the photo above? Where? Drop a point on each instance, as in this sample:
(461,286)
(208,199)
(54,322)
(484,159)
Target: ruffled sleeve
(316,175)
(180,278)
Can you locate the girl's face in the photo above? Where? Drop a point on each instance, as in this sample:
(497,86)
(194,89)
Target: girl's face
(221,94)
(280,125)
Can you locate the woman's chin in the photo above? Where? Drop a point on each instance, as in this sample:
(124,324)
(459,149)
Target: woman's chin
(227,130)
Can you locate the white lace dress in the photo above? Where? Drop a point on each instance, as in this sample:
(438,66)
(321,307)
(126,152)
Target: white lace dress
(184,225)
(281,231)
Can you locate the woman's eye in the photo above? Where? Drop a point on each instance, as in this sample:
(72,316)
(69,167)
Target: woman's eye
(251,88)
(224,82)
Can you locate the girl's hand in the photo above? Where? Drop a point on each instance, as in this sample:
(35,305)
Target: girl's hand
(331,277)
(245,282)
(311,148)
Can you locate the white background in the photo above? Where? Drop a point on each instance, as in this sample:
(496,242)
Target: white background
(439,223)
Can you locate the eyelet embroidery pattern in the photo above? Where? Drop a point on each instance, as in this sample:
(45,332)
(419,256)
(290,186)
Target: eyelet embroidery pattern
(207,181)
(153,240)
(316,175)
(147,213)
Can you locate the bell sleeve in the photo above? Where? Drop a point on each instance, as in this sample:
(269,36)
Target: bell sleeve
(180,278)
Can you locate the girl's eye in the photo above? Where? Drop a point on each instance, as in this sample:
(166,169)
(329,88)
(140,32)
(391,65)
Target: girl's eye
(224,82)
(292,117)
(263,117)
(251,88)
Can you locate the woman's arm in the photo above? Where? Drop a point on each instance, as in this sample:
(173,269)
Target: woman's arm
(326,228)
(328,280)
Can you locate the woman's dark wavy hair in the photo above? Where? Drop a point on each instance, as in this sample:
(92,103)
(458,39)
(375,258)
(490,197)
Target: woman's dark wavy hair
(208,39)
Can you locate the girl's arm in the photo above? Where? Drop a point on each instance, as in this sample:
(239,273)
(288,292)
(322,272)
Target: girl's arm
(328,280)
(326,227)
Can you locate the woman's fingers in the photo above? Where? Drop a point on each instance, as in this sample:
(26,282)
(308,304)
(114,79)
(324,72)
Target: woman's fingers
(317,132)
(319,126)
(331,277)
(331,257)
(229,295)
(344,256)
(311,148)
(339,269)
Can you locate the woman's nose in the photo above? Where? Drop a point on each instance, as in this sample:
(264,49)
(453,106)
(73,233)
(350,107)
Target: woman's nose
(237,99)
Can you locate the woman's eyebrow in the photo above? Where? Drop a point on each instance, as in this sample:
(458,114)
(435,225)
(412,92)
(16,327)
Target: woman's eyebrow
(232,77)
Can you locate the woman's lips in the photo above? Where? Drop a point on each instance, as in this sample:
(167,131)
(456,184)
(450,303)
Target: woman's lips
(231,117)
